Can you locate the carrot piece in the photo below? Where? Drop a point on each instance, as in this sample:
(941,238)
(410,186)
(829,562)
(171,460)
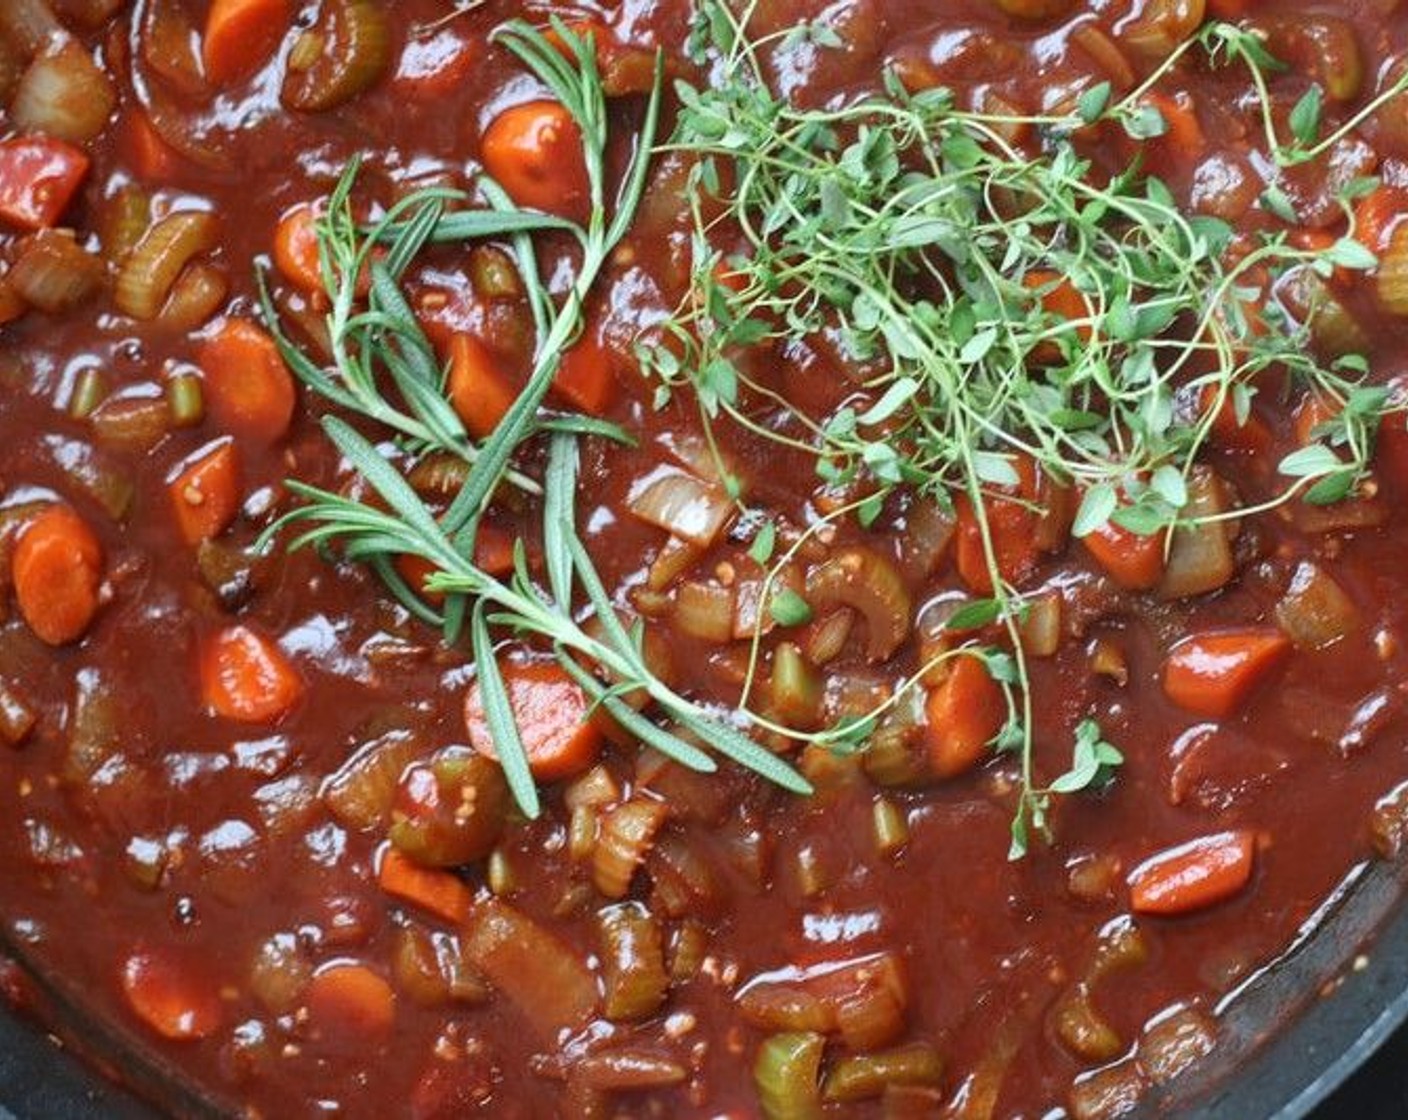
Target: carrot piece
(350,1002)
(962,715)
(1193,876)
(493,553)
(553,717)
(296,248)
(38,178)
(1214,674)
(249,390)
(153,159)
(1312,411)
(246,677)
(1062,300)
(1184,132)
(241,35)
(440,892)
(205,493)
(435,66)
(58,570)
(534,151)
(1134,562)
(585,379)
(1012,523)
(479,389)
(1377,215)
(1250,435)
(170,999)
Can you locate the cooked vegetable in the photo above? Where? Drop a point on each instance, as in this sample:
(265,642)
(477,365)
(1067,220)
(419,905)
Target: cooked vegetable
(449,811)
(350,1001)
(1193,876)
(534,151)
(170,998)
(633,962)
(344,54)
(551,713)
(787,1074)
(149,272)
(439,892)
(58,572)
(865,1076)
(627,833)
(246,677)
(64,94)
(962,715)
(54,273)
(205,493)
(240,35)
(39,177)
(1215,674)
(248,388)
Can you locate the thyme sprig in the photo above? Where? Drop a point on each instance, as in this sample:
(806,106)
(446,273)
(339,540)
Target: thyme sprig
(378,346)
(930,239)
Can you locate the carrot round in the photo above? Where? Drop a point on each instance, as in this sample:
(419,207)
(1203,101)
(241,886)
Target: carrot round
(1193,876)
(351,1002)
(534,151)
(58,570)
(480,390)
(246,677)
(440,892)
(963,713)
(249,390)
(170,999)
(296,248)
(1183,131)
(1214,674)
(553,715)
(205,493)
(1134,562)
(241,35)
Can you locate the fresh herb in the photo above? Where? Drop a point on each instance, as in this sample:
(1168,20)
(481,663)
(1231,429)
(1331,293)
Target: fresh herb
(1093,765)
(381,342)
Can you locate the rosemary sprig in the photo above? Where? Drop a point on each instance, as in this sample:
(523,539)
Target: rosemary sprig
(380,343)
(915,229)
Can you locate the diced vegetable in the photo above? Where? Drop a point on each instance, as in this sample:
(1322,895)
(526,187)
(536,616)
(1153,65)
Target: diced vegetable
(534,970)
(64,94)
(553,718)
(1193,876)
(54,273)
(17,718)
(344,54)
(787,1074)
(1214,674)
(347,1001)
(627,833)
(360,794)
(534,151)
(149,271)
(38,178)
(249,390)
(246,677)
(240,35)
(1200,552)
(1133,561)
(633,962)
(439,892)
(682,504)
(205,493)
(870,584)
(58,572)
(1316,611)
(1012,521)
(449,811)
(585,379)
(963,714)
(866,1076)
(479,388)
(170,998)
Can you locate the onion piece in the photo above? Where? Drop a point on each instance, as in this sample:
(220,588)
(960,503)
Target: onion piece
(681,504)
(705,611)
(344,54)
(1315,611)
(170,49)
(64,94)
(29,24)
(361,793)
(1200,554)
(676,556)
(199,292)
(150,270)
(1040,625)
(1160,28)
(1392,279)
(54,273)
(826,637)
(863,579)
(131,423)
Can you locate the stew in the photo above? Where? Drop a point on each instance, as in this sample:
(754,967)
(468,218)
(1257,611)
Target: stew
(728,558)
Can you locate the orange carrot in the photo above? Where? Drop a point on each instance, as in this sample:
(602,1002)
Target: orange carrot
(153,159)
(1012,524)
(1193,876)
(535,153)
(1184,132)
(349,1001)
(553,717)
(1249,435)
(1134,562)
(479,388)
(439,892)
(585,379)
(205,494)
(1377,215)
(170,999)
(246,677)
(241,35)
(962,715)
(296,248)
(1213,674)
(1312,411)
(493,553)
(1061,299)
(248,388)
(57,571)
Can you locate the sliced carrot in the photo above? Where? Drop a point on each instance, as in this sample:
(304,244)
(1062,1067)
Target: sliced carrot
(1013,522)
(1062,300)
(349,1002)
(38,179)
(1312,411)
(241,35)
(1377,215)
(246,677)
(963,714)
(553,717)
(435,66)
(248,388)
(1134,562)
(153,159)
(57,571)
(172,1000)
(439,892)
(1184,132)
(493,553)
(479,388)
(534,151)
(1193,876)
(585,379)
(1214,674)
(296,248)
(205,494)
(1250,435)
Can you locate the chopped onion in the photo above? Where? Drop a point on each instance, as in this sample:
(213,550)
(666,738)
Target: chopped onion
(749,616)
(1160,28)
(29,24)
(681,504)
(131,423)
(361,793)
(344,54)
(1100,47)
(54,273)
(151,269)
(929,530)
(1315,611)
(1332,325)
(1040,625)
(863,579)
(65,94)
(676,556)
(705,610)
(1200,554)
(827,636)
